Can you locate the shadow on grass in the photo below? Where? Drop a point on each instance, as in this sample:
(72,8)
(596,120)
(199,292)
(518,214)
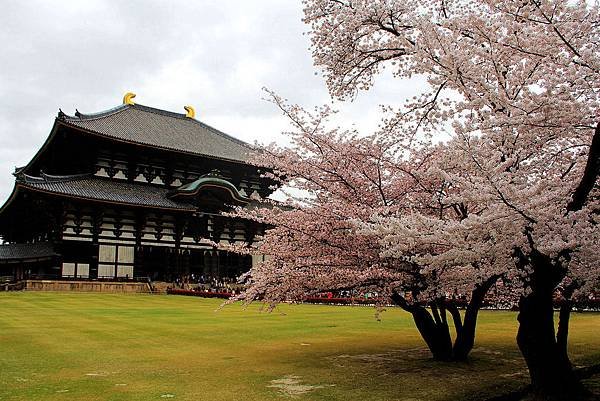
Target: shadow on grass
(491,374)
(416,375)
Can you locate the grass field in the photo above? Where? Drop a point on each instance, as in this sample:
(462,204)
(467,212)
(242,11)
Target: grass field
(72,346)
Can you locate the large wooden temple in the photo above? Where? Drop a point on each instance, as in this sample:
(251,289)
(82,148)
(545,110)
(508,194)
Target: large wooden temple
(130,193)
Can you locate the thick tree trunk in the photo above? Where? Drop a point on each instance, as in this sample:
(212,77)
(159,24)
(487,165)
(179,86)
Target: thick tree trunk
(551,373)
(590,175)
(465,336)
(552,376)
(465,333)
(436,336)
(562,333)
(434,328)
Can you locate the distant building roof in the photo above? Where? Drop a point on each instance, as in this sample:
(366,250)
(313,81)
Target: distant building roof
(163,129)
(40,250)
(104,190)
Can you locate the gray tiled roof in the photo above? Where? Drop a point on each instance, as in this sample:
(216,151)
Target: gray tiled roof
(26,251)
(104,190)
(163,129)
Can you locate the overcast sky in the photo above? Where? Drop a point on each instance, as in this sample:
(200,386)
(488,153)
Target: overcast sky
(214,55)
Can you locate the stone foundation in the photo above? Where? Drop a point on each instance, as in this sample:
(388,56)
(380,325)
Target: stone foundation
(86,286)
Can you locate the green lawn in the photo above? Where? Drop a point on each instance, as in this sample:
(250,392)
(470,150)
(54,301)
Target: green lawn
(73,346)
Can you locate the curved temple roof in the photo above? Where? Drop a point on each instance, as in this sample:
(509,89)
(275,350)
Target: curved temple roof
(103,190)
(208,181)
(162,129)
(89,187)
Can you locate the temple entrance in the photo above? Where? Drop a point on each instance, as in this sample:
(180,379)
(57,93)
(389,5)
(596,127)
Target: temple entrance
(194,266)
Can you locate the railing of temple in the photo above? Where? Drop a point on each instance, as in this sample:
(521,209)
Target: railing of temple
(12,286)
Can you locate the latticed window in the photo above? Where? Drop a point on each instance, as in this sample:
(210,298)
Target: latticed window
(68,270)
(115,261)
(79,270)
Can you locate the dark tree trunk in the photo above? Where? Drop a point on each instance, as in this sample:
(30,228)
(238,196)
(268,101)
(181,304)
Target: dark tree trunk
(552,376)
(434,328)
(436,336)
(551,373)
(562,333)
(590,174)
(438,309)
(465,337)
(465,333)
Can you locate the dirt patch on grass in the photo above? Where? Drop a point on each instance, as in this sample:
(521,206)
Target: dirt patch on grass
(97,374)
(292,386)
(384,358)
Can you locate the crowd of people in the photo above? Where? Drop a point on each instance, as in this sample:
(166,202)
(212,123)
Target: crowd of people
(230,286)
(207,283)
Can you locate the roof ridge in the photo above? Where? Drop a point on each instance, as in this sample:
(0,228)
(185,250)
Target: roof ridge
(162,112)
(183,116)
(26,178)
(62,178)
(92,116)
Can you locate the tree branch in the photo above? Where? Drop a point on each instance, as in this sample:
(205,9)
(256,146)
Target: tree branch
(590,175)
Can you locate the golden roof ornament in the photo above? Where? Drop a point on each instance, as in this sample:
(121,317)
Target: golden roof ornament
(190,112)
(127,99)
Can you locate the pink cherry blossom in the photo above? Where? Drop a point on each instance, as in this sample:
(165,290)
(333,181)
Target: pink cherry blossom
(510,199)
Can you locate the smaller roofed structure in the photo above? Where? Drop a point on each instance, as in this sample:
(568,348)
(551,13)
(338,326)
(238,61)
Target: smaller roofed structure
(16,253)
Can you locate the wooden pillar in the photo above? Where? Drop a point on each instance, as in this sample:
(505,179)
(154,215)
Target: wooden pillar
(138,258)
(97,218)
(218,227)
(250,230)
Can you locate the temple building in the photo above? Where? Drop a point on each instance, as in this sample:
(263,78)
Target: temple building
(130,193)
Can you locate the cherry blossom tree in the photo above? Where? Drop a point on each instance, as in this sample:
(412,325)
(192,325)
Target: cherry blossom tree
(320,240)
(518,83)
